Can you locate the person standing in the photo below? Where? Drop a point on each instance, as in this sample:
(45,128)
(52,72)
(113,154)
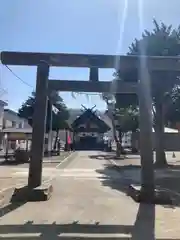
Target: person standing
(69,142)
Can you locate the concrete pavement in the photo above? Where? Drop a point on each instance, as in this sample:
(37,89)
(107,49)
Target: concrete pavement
(17,174)
(89,202)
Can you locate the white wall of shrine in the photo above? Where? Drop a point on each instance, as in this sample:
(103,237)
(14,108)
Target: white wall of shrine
(98,136)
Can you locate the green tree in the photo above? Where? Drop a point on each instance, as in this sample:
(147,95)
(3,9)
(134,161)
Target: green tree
(58,120)
(109,100)
(172,111)
(163,40)
(123,112)
(127,119)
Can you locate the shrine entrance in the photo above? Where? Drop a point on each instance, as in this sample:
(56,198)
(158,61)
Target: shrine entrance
(43,61)
(89,130)
(88,143)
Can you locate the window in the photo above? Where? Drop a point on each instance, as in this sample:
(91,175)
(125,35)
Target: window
(21,125)
(13,124)
(4,123)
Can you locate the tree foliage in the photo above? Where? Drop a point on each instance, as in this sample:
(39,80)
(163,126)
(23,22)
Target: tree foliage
(163,40)
(58,120)
(127,119)
(172,111)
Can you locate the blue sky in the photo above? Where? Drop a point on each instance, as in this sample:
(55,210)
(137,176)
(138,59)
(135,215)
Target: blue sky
(73,26)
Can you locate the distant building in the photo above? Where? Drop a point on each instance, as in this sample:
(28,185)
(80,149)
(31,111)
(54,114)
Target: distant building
(2,105)
(14,129)
(171,139)
(12,120)
(89,130)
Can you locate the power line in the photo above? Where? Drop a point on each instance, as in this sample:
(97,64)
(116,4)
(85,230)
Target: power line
(27,84)
(24,82)
(2,90)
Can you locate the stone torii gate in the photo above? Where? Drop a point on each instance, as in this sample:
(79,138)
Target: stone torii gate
(43,85)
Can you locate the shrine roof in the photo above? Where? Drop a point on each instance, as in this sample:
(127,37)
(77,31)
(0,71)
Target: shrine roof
(90,116)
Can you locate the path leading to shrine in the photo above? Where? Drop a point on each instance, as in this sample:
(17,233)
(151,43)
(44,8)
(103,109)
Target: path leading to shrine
(88,202)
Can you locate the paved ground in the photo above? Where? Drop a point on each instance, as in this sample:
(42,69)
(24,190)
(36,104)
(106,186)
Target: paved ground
(9,173)
(46,160)
(89,202)
(166,178)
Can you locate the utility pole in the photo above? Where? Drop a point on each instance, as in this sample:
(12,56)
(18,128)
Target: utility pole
(50,128)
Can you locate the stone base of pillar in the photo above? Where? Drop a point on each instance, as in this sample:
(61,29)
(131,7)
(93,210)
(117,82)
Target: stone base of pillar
(25,194)
(160,196)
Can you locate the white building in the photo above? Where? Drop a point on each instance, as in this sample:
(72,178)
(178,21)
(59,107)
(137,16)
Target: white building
(2,105)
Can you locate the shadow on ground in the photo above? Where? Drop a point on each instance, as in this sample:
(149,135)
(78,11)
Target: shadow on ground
(112,156)
(168,183)
(10,207)
(109,171)
(143,228)
(144,224)
(105,156)
(11,163)
(75,230)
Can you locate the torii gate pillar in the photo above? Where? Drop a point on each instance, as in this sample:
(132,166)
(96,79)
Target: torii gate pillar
(39,126)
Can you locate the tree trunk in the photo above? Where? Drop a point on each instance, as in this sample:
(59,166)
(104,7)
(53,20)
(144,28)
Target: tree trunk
(118,145)
(56,139)
(159,136)
(121,134)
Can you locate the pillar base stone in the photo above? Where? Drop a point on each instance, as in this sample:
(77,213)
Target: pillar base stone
(160,196)
(25,194)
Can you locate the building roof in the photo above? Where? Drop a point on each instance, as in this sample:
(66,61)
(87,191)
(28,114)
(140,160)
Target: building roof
(17,130)
(168,130)
(93,117)
(13,116)
(73,114)
(3,103)
(10,111)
